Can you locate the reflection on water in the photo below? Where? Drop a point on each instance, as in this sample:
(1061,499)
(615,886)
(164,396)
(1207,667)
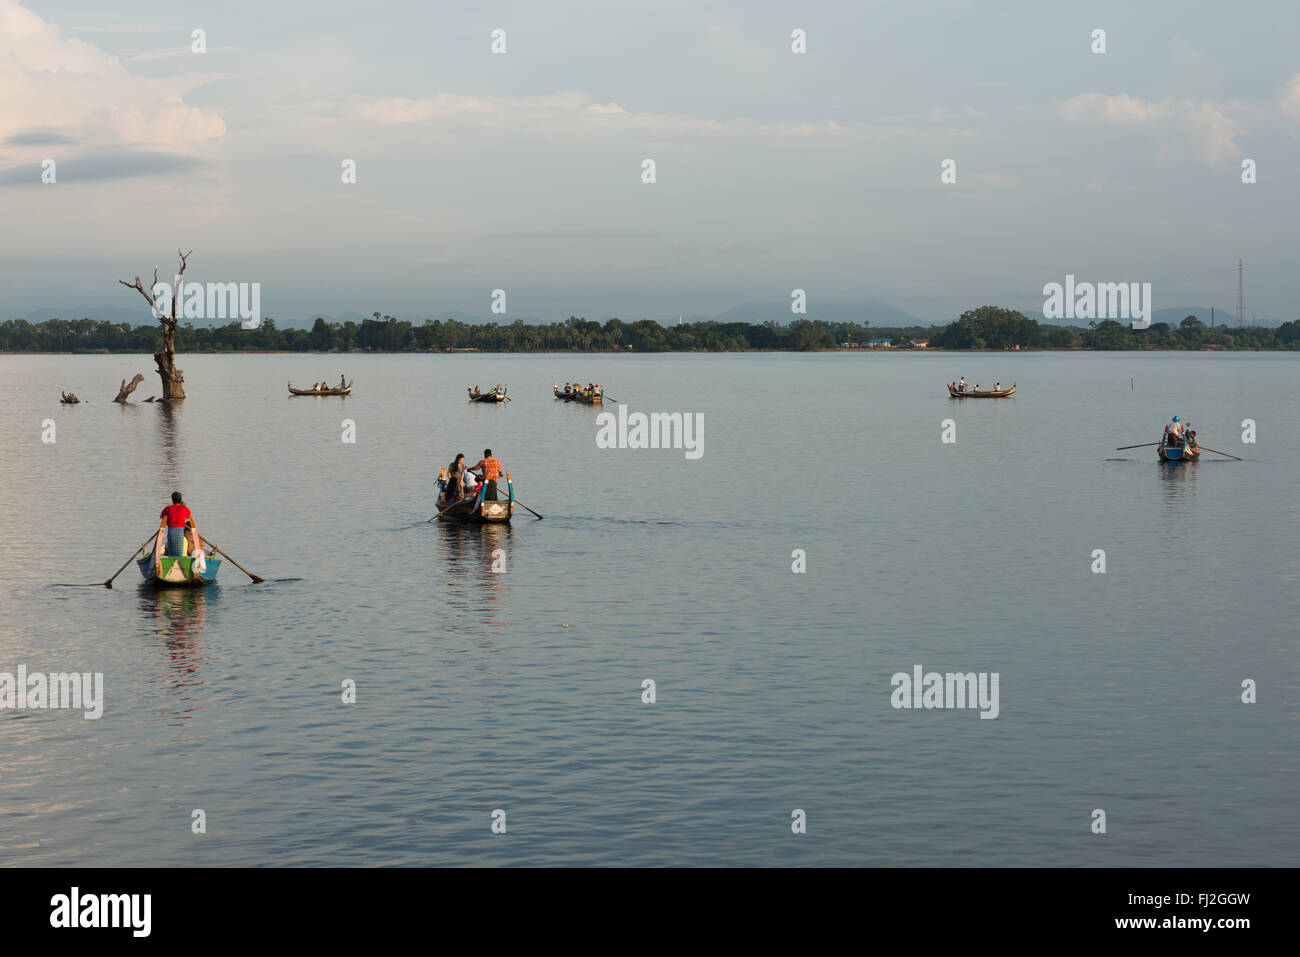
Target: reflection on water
(467,555)
(170,423)
(1178,482)
(177,616)
(664,568)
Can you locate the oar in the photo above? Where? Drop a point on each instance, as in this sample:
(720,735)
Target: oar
(511,486)
(109,583)
(1142,446)
(215,548)
(1216,451)
(522,505)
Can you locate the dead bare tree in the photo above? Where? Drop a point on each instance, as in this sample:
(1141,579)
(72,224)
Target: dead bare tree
(173,380)
(127,388)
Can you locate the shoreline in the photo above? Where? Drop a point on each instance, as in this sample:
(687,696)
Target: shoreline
(663,352)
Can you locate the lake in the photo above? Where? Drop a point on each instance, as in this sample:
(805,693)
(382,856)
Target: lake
(522,690)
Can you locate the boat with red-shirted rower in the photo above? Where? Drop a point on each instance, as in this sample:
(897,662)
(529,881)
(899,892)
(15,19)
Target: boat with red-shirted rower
(474,507)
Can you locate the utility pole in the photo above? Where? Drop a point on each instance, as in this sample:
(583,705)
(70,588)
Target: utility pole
(1241,294)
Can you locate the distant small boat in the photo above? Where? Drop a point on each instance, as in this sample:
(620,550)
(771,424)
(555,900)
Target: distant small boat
(171,571)
(1177,452)
(581,395)
(497,394)
(344,391)
(475,508)
(988,394)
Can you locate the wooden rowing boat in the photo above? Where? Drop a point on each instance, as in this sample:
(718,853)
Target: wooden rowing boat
(344,391)
(580,395)
(495,395)
(476,509)
(171,571)
(987,394)
(1177,453)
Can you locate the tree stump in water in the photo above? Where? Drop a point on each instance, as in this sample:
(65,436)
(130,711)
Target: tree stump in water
(69,398)
(173,380)
(128,387)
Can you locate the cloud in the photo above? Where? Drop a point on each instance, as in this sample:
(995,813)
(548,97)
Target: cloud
(104,166)
(1118,109)
(37,138)
(572,112)
(1180,126)
(1291,97)
(49,80)
(120,28)
(177,53)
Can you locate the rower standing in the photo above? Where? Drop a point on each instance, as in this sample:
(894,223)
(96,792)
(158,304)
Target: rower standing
(489,469)
(177,517)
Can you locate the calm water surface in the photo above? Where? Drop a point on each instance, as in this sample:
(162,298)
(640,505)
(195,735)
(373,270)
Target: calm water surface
(522,690)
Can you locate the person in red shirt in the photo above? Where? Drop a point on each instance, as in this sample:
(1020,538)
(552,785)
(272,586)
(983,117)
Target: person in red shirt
(490,470)
(178,517)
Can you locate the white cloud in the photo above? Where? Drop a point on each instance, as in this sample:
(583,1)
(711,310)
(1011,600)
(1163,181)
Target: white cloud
(55,82)
(572,112)
(1118,109)
(1180,126)
(1291,97)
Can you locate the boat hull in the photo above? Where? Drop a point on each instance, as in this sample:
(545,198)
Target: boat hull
(488,397)
(174,572)
(344,391)
(596,399)
(1177,454)
(1002,394)
(478,510)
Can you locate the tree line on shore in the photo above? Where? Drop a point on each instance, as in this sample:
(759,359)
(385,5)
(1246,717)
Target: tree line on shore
(988,327)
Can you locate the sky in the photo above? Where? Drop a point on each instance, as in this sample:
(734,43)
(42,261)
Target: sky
(523,170)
